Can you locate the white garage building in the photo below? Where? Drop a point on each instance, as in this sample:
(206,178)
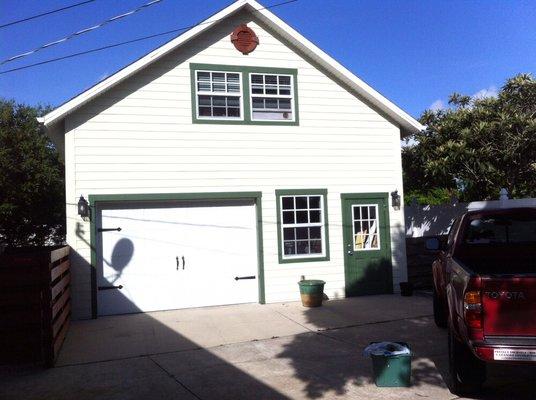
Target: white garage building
(225,165)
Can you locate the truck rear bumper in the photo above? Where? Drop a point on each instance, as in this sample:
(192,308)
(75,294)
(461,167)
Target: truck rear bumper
(506,354)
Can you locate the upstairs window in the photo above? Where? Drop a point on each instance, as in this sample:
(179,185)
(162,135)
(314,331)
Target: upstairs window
(272,97)
(219,95)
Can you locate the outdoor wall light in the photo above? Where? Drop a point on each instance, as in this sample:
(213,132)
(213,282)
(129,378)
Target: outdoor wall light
(395,200)
(83,208)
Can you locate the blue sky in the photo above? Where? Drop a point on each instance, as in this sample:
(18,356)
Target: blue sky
(414,52)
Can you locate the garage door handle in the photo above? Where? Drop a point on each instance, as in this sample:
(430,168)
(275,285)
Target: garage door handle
(110,287)
(237,278)
(108,229)
(183,262)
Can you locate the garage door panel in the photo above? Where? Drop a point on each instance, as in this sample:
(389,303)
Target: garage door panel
(213,242)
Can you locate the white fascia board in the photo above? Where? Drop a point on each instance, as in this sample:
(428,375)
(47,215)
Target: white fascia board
(131,69)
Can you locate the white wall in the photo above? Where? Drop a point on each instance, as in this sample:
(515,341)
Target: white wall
(139,138)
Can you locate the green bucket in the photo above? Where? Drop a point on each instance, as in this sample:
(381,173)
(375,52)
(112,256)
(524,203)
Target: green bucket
(392,371)
(312,292)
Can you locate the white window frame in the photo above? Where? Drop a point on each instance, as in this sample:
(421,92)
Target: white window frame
(239,94)
(367,219)
(292,97)
(321,224)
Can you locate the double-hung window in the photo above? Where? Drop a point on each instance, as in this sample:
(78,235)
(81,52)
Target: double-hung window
(271,97)
(218,95)
(232,94)
(302,223)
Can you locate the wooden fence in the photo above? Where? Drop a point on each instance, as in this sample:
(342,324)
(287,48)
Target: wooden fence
(35,304)
(420,261)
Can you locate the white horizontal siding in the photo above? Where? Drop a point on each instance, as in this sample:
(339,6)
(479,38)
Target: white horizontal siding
(139,138)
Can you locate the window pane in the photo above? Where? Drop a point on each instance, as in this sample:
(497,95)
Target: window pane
(288,217)
(284,80)
(203,76)
(289,234)
(270,79)
(204,100)
(219,112)
(257,90)
(302,247)
(364,212)
(233,78)
(302,233)
(314,216)
(316,246)
(270,89)
(314,202)
(233,87)
(356,214)
(203,86)
(205,112)
(218,101)
(372,211)
(301,217)
(301,202)
(218,77)
(284,91)
(284,104)
(288,203)
(258,102)
(233,101)
(218,87)
(257,78)
(315,232)
(289,248)
(233,112)
(271,103)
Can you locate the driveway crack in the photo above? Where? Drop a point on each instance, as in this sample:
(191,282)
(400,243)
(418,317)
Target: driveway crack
(174,378)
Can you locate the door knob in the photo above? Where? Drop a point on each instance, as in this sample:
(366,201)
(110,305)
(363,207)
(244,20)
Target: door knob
(350,253)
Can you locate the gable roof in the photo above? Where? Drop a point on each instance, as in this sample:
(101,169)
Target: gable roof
(407,123)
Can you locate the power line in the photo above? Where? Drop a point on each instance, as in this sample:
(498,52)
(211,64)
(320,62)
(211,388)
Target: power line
(80,32)
(46,13)
(128,41)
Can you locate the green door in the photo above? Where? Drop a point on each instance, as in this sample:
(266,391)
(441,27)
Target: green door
(367,244)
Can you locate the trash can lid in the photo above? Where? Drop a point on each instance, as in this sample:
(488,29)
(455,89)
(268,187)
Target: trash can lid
(311,282)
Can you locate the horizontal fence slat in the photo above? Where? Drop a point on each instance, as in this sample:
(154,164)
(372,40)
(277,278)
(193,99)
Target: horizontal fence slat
(57,254)
(58,287)
(58,270)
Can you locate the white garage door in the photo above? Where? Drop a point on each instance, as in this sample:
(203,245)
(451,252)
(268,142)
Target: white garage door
(175,255)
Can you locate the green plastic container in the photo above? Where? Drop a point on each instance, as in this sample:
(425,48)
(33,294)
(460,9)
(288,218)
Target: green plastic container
(392,371)
(312,292)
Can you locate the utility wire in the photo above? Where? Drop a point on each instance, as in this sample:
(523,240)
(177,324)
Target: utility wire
(80,32)
(45,13)
(129,41)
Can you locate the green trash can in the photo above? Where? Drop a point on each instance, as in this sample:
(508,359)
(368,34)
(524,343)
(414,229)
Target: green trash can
(392,371)
(311,292)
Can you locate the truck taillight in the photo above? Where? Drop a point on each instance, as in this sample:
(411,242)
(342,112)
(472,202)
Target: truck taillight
(472,304)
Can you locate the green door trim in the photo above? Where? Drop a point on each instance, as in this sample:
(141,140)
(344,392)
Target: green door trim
(366,196)
(97,199)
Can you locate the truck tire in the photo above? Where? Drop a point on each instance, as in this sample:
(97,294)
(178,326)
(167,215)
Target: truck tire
(467,372)
(440,316)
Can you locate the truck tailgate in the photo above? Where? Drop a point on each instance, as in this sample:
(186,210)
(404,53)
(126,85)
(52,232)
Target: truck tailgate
(509,305)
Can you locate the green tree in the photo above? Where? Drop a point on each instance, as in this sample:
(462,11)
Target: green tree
(476,147)
(32,200)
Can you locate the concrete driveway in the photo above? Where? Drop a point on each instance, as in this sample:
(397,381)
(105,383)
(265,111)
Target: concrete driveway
(276,351)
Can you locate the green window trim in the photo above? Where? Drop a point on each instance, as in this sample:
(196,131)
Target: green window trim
(96,200)
(297,192)
(245,71)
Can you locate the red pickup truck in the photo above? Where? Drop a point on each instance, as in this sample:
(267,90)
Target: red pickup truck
(485,292)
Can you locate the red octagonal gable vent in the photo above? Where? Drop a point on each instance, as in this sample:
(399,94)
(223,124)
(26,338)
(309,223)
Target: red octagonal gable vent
(244,39)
